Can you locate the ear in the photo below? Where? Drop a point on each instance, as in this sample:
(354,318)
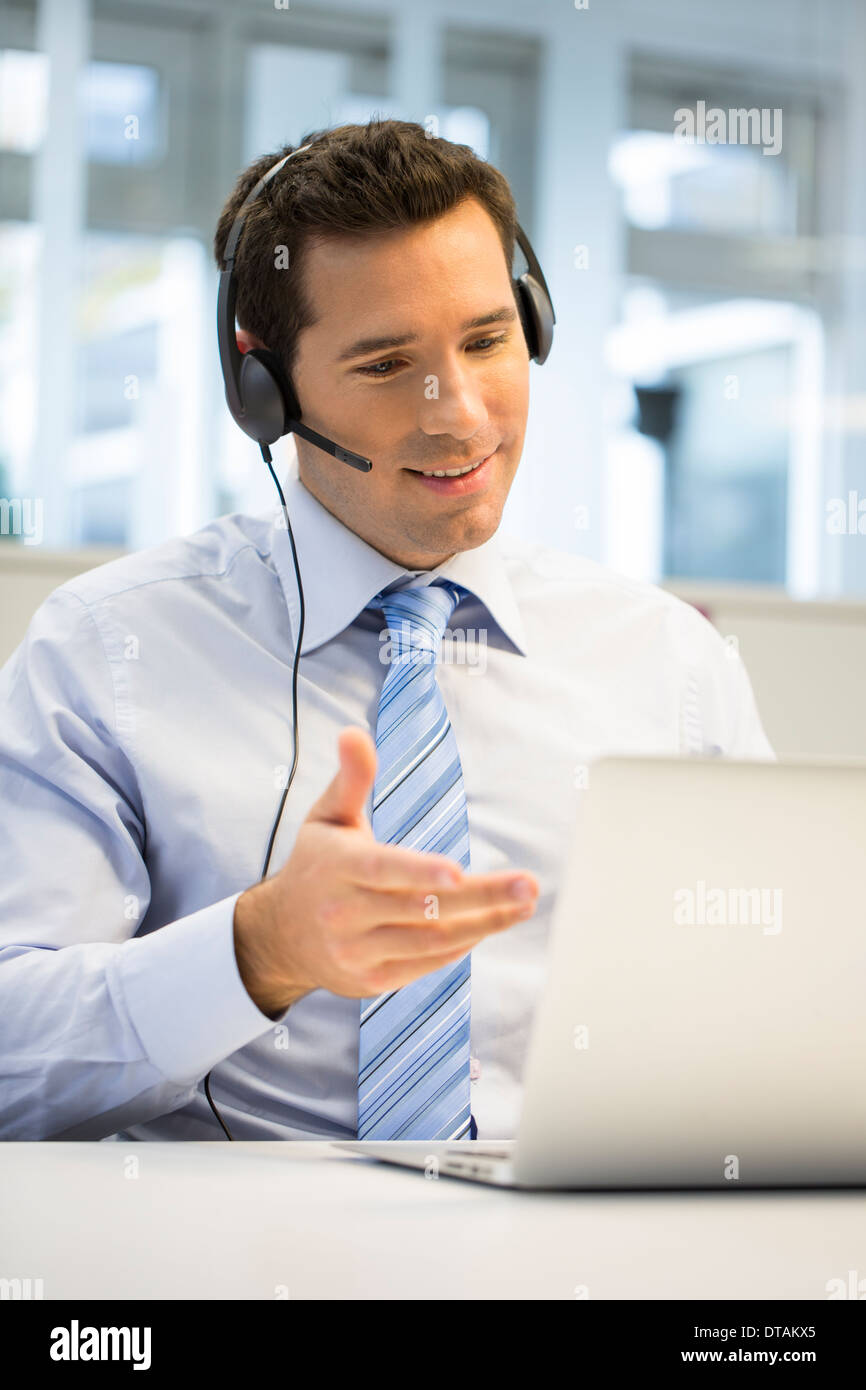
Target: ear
(248,340)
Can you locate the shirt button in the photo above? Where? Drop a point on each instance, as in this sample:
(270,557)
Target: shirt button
(474,1068)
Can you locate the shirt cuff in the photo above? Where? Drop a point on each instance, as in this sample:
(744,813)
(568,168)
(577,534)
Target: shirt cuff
(184,994)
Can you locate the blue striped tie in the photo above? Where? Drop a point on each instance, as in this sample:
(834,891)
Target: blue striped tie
(413,1063)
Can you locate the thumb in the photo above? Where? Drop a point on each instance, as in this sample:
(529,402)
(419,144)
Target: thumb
(342,802)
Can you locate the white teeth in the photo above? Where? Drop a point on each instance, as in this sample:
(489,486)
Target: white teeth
(453,472)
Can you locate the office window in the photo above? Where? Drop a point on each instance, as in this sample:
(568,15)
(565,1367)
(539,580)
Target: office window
(729,189)
(721,337)
(146,448)
(727,468)
(120,105)
(19,247)
(23,100)
(123,115)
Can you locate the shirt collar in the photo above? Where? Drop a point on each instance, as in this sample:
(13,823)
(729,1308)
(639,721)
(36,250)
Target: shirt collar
(341,573)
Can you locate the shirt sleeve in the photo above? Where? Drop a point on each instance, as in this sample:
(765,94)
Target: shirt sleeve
(99,1028)
(719,712)
(747,738)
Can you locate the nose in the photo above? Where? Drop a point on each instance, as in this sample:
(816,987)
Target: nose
(453,402)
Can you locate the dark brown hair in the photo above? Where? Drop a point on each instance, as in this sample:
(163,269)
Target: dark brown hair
(355,179)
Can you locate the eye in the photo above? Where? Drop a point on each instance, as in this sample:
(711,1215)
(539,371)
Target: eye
(480,345)
(374,369)
(491,342)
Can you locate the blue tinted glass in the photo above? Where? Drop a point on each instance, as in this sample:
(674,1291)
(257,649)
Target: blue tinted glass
(122,113)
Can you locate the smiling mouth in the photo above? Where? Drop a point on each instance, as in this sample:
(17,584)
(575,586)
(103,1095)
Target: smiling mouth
(452,472)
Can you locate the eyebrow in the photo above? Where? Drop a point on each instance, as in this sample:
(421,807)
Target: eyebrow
(505,314)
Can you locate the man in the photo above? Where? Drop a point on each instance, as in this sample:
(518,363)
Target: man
(147,722)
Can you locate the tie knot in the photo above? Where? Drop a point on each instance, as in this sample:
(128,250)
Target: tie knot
(417,617)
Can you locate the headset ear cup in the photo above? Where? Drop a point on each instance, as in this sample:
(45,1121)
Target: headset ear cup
(535,315)
(264,409)
(524,309)
(290,400)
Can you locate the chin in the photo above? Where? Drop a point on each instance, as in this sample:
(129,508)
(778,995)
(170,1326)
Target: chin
(478,526)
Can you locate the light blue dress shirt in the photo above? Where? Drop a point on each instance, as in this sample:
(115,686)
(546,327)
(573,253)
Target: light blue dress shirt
(146,736)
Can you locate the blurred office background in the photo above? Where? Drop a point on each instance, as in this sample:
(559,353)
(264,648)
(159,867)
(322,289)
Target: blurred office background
(701,421)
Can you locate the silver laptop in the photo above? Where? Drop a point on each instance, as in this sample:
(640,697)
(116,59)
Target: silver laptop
(703,1022)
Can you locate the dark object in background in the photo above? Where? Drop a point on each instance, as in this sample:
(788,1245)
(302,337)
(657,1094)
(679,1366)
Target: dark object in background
(657,407)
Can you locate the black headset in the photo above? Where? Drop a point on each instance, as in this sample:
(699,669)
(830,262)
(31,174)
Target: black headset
(262,402)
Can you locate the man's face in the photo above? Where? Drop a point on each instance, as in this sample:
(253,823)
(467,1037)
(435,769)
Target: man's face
(451,396)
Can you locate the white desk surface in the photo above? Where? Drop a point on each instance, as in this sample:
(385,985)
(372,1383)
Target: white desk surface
(302,1220)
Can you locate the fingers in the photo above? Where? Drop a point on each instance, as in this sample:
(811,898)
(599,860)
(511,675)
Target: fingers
(343,801)
(394,868)
(429,939)
(404,874)
(421,904)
